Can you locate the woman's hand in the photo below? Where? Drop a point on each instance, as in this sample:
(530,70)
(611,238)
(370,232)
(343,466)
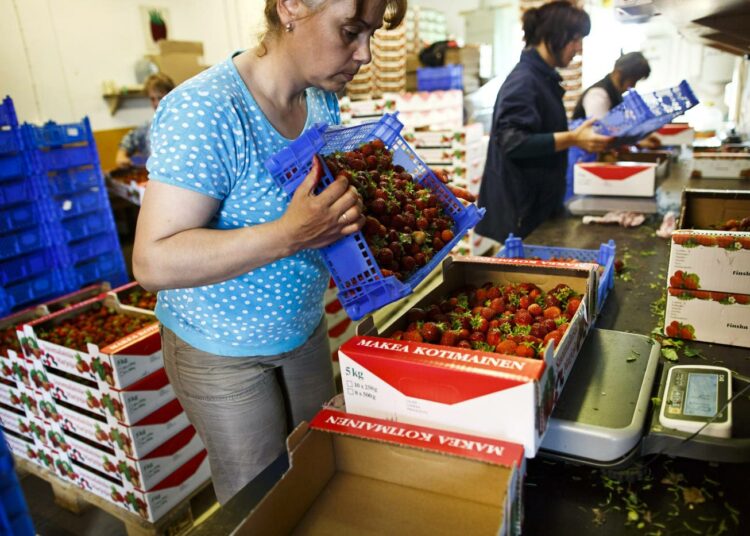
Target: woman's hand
(650,142)
(588,140)
(314,221)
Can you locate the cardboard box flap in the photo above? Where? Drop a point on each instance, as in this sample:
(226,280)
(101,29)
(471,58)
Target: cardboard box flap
(488,450)
(615,172)
(167,46)
(484,371)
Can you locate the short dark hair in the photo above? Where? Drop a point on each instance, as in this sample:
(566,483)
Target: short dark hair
(632,66)
(555,24)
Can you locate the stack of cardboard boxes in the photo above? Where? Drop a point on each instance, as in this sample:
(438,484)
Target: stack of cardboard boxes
(708,292)
(424,26)
(105,419)
(389,60)
(179,60)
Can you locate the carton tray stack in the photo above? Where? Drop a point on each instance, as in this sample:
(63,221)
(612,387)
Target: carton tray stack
(424,26)
(106,418)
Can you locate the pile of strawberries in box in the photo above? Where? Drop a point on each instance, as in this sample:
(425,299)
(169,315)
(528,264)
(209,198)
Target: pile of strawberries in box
(83,392)
(709,269)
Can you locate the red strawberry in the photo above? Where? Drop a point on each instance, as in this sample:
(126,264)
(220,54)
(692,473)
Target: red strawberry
(431,332)
(573,305)
(449,338)
(552,312)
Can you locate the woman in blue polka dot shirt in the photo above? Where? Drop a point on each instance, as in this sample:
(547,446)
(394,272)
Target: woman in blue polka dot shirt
(235,262)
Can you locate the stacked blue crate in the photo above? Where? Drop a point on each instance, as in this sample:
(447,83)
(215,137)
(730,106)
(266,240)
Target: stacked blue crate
(29,237)
(66,167)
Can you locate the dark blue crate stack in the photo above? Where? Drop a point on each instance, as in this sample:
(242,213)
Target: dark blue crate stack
(440,78)
(30,267)
(67,169)
(362,286)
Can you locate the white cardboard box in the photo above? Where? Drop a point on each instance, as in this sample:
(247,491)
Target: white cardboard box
(721,165)
(620,179)
(352,474)
(676,134)
(708,316)
(467,391)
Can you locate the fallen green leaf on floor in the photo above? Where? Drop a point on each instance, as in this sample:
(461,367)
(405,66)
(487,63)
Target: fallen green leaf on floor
(599,517)
(691,529)
(654,285)
(669,354)
(692,352)
(692,495)
(633,356)
(648,253)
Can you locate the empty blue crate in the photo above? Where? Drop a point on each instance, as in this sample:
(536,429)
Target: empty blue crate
(10,140)
(12,166)
(109,267)
(47,285)
(92,246)
(72,205)
(24,215)
(8,113)
(362,286)
(514,248)
(25,240)
(27,265)
(87,225)
(61,146)
(22,190)
(70,181)
(440,78)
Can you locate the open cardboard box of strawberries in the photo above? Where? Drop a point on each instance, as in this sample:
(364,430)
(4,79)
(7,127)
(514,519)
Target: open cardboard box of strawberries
(500,381)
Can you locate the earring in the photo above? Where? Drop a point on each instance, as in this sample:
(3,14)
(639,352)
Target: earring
(289,26)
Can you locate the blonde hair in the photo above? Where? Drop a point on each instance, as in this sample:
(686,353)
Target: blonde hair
(395,11)
(158,82)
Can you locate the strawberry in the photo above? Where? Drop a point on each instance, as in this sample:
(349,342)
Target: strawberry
(523,318)
(449,338)
(431,332)
(573,305)
(413,336)
(507,347)
(535,309)
(552,312)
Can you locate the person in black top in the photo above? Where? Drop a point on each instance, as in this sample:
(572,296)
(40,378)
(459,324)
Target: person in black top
(601,97)
(523,183)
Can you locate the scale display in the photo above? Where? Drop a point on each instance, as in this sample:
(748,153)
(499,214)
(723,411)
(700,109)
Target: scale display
(696,395)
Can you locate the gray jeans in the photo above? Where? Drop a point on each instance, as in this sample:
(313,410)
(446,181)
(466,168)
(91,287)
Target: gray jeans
(244,407)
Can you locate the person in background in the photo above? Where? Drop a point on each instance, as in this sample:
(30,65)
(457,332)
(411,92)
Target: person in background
(604,95)
(136,142)
(523,183)
(235,261)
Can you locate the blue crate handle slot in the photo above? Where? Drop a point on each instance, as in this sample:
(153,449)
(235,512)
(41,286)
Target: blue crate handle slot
(362,286)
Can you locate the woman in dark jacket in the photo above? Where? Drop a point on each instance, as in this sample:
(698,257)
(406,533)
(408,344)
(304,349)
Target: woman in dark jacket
(524,178)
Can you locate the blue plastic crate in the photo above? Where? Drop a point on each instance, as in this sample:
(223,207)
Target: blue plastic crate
(53,134)
(70,181)
(108,267)
(24,215)
(10,140)
(28,265)
(70,206)
(4,303)
(14,514)
(24,241)
(41,287)
(514,248)
(8,113)
(362,286)
(440,78)
(640,115)
(92,246)
(87,225)
(12,166)
(17,191)
(65,158)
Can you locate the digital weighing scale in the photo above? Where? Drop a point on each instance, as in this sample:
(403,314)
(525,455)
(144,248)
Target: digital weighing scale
(604,416)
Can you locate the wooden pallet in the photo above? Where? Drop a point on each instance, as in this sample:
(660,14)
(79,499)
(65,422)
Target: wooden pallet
(177,521)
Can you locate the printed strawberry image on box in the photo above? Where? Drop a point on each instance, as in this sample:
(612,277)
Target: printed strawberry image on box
(17,421)
(97,340)
(468,385)
(21,446)
(617,179)
(708,316)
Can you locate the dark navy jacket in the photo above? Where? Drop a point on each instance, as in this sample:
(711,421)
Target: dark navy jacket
(521,189)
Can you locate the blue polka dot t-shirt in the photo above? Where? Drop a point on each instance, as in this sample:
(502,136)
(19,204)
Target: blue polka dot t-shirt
(210,136)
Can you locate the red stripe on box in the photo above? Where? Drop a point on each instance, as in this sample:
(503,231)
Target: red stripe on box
(611,172)
(463,445)
(163,415)
(170,446)
(439,373)
(340,328)
(671,130)
(182,473)
(152,382)
(333,307)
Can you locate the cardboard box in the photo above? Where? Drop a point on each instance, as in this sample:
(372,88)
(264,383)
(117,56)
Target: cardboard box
(178,59)
(619,179)
(461,138)
(354,474)
(708,316)
(675,134)
(21,446)
(117,365)
(660,158)
(701,258)
(721,165)
(467,391)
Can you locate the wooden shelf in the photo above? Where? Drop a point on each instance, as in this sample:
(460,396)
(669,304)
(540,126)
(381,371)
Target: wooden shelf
(114,100)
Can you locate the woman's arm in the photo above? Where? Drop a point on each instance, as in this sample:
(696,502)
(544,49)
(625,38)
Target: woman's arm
(583,137)
(174,249)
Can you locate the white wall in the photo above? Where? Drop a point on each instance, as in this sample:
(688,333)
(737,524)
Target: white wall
(55,54)
(452,10)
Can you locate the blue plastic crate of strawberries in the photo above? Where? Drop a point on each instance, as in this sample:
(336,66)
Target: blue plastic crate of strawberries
(413,218)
